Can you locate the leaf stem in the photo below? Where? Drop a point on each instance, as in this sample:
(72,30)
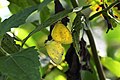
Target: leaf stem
(95,55)
(104,10)
(30,34)
(93,47)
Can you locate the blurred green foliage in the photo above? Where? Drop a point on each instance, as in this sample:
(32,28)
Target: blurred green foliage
(24,64)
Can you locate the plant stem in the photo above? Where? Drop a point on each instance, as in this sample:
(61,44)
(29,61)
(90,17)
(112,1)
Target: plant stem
(93,48)
(95,55)
(74,3)
(104,10)
(30,34)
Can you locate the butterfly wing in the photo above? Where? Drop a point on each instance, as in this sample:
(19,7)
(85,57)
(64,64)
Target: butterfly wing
(55,51)
(61,34)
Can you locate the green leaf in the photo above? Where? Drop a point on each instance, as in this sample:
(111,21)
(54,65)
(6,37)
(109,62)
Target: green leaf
(49,22)
(57,17)
(15,20)
(113,36)
(23,65)
(9,45)
(111,65)
(14,8)
(43,4)
(117,55)
(77,26)
(86,75)
(53,19)
(18,5)
(24,29)
(3,77)
(1,53)
(44,14)
(55,74)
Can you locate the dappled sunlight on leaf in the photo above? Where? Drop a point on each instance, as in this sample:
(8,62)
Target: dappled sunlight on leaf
(111,65)
(55,74)
(60,77)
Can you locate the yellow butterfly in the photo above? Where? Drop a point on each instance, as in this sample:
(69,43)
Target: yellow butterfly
(61,33)
(55,51)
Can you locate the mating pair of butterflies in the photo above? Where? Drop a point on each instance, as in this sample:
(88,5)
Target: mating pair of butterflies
(60,35)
